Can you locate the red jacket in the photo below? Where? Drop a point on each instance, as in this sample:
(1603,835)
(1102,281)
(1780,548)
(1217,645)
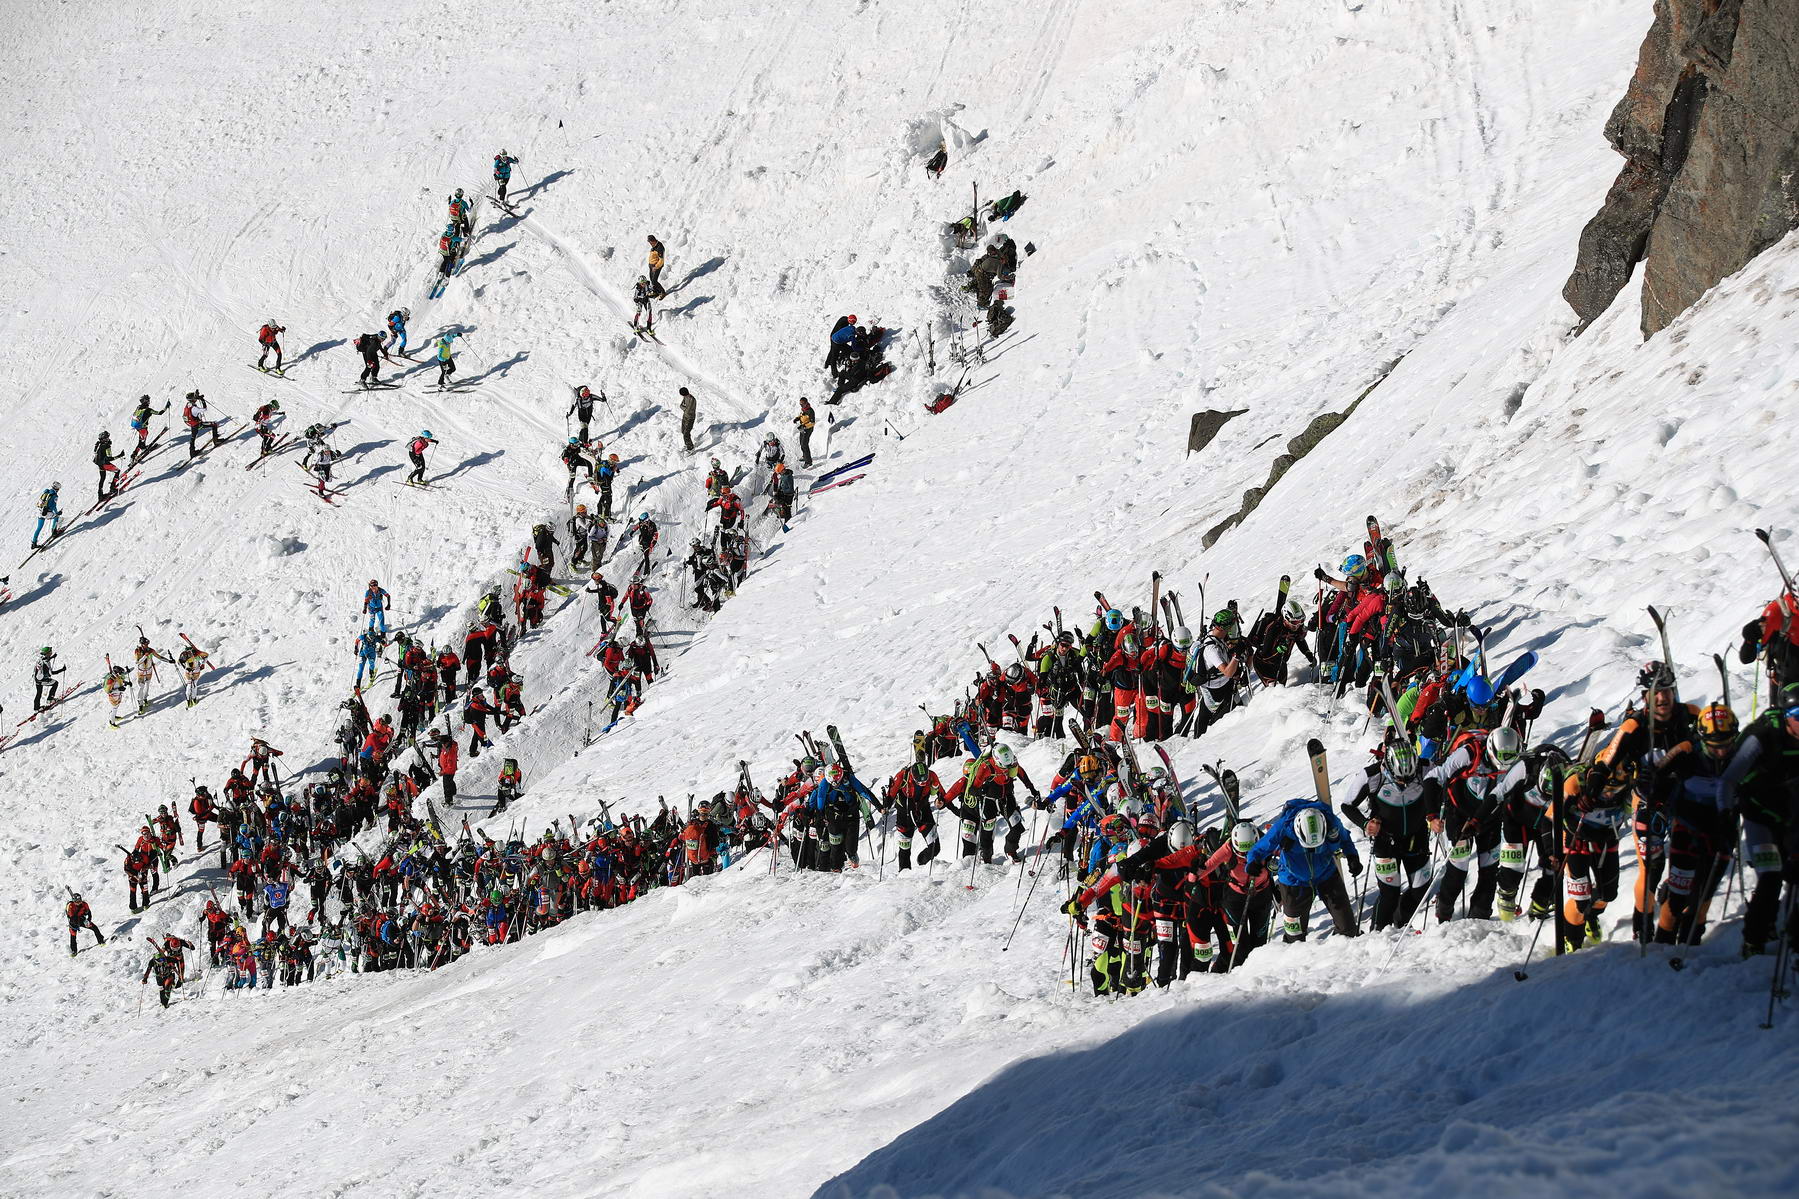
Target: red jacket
(446,757)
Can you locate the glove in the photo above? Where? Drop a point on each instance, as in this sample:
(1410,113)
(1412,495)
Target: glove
(1318,573)
(1752,642)
(1074,908)
(1355,867)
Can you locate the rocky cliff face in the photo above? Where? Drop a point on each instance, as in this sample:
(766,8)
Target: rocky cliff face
(1709,131)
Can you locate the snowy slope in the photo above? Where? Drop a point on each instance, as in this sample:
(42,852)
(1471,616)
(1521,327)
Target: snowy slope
(1245,206)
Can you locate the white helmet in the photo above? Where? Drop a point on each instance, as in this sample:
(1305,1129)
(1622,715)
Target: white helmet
(1183,637)
(1244,836)
(1002,753)
(1309,827)
(1505,746)
(1180,835)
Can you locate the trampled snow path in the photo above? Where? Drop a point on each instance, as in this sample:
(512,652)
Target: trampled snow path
(1235,207)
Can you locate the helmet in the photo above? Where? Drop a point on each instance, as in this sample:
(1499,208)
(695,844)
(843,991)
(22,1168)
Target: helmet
(1479,692)
(1294,613)
(74,895)
(45,652)
(1309,827)
(1183,637)
(1355,567)
(1129,643)
(809,764)
(275,405)
(1087,766)
(374,583)
(1244,836)
(459,190)
(1402,761)
(1655,676)
(580,508)
(838,772)
(1114,827)
(425,433)
(643,516)
(1180,835)
(779,467)
(1395,584)
(56,487)
(574,441)
(642,281)
(1015,672)
(850,319)
(1114,619)
(1227,620)
(1718,725)
(1002,753)
(1504,746)
(612,457)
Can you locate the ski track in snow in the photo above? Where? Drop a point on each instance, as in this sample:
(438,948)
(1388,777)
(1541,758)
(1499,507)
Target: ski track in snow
(1254,207)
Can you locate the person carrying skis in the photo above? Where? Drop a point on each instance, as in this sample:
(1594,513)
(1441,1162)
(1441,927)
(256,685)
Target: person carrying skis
(604,592)
(43,676)
(192,661)
(164,965)
(145,657)
(80,916)
(910,795)
(655,264)
(201,809)
(261,760)
(1704,833)
(448,665)
(369,346)
(580,409)
(502,172)
(415,450)
(508,787)
(1462,798)
(116,684)
(1273,639)
(1387,807)
(1213,673)
(269,338)
(446,359)
(107,462)
(543,540)
(475,711)
(782,492)
(140,424)
(604,473)
(643,317)
(1307,836)
(197,418)
(1762,782)
(1651,732)
(48,510)
(396,332)
(264,419)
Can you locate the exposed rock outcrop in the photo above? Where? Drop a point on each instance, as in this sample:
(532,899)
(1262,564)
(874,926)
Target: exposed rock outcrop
(1709,131)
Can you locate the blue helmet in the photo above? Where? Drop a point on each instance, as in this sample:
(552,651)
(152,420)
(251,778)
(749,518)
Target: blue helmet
(1355,567)
(424,433)
(1114,619)
(1479,692)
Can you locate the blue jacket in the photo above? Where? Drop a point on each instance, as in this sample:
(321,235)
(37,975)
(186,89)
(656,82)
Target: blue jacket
(276,894)
(1300,866)
(827,792)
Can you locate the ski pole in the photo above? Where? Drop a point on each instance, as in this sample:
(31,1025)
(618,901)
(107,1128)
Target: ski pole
(1035,878)
(1780,955)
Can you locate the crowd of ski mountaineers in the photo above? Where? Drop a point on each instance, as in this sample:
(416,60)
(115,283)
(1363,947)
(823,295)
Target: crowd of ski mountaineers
(1456,809)
(420,898)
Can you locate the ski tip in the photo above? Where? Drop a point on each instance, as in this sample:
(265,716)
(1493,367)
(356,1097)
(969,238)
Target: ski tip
(1314,747)
(1762,536)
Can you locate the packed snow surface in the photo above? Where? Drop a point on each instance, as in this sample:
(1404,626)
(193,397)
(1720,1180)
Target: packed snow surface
(1266,207)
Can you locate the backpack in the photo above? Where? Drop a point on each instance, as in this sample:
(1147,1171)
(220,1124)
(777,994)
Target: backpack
(46,501)
(266,335)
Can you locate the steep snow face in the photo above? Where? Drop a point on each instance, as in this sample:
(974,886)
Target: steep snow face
(1234,207)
